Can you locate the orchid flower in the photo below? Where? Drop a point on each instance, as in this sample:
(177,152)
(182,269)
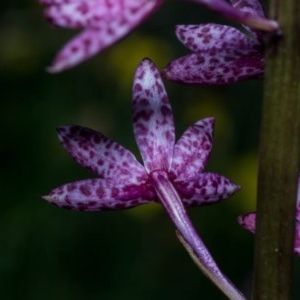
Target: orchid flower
(173,174)
(248,221)
(221,54)
(104,22)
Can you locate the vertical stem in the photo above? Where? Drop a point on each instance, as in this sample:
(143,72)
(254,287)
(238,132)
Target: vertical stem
(279,157)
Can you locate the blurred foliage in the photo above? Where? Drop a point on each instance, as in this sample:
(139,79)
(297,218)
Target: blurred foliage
(48,253)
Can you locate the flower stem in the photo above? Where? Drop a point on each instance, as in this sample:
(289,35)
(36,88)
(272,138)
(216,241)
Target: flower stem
(225,9)
(172,203)
(279,157)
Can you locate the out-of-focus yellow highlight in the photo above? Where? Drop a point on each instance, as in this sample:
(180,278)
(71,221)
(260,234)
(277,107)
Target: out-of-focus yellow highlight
(126,55)
(244,171)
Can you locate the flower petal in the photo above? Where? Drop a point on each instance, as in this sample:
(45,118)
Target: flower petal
(214,68)
(223,55)
(123,14)
(82,47)
(105,22)
(101,194)
(206,189)
(192,150)
(101,155)
(248,221)
(77,14)
(236,15)
(152,118)
(212,38)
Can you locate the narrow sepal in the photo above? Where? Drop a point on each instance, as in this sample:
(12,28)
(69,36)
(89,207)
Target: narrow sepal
(207,188)
(101,155)
(85,45)
(100,194)
(103,23)
(192,150)
(76,14)
(121,14)
(211,38)
(216,69)
(152,118)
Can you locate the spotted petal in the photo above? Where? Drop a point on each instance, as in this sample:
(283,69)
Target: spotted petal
(125,14)
(82,47)
(222,55)
(207,188)
(78,14)
(211,38)
(104,22)
(192,150)
(152,118)
(101,194)
(101,155)
(215,69)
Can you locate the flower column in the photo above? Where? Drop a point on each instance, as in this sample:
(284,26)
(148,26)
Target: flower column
(279,157)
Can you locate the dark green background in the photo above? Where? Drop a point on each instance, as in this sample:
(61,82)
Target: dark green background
(49,253)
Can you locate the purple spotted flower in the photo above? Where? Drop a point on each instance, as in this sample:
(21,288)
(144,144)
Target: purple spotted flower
(221,54)
(122,181)
(172,174)
(248,221)
(104,22)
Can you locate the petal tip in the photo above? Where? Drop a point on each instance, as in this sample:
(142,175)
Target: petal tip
(247,221)
(62,132)
(241,219)
(237,188)
(210,120)
(48,198)
(146,63)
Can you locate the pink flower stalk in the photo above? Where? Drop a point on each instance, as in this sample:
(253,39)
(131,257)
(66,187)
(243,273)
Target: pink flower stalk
(240,16)
(173,174)
(104,22)
(248,221)
(221,54)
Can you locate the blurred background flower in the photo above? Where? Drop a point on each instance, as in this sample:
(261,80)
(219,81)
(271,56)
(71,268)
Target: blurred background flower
(46,252)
